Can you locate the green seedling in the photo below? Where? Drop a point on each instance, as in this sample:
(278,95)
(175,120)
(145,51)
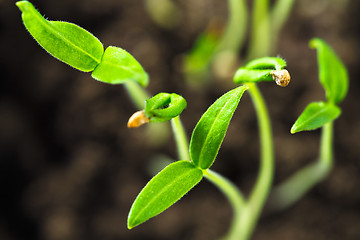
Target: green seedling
(224,53)
(334,78)
(81,50)
(180,177)
(264,69)
(160,108)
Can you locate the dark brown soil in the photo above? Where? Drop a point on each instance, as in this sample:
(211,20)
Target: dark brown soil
(70,169)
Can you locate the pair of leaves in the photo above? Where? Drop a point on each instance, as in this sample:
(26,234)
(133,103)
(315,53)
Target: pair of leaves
(164,106)
(80,49)
(160,108)
(178,178)
(334,78)
(263,70)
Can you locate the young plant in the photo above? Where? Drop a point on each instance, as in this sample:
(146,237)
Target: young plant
(334,78)
(81,50)
(221,56)
(178,178)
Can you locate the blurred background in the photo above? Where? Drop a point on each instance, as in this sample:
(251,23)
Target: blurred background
(70,169)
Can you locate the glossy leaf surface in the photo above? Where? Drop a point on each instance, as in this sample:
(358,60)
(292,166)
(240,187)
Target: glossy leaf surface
(210,131)
(164,106)
(332,72)
(65,41)
(315,115)
(274,63)
(244,75)
(259,70)
(118,66)
(163,190)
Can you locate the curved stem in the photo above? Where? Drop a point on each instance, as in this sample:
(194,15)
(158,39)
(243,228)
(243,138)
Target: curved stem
(326,148)
(235,198)
(262,187)
(181,140)
(294,188)
(260,39)
(279,15)
(137,94)
(234,35)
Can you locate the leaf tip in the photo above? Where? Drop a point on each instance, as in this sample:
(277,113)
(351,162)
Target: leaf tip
(130,226)
(314,42)
(242,89)
(130,222)
(22,5)
(144,82)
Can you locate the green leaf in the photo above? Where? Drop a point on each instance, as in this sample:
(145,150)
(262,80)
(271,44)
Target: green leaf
(65,41)
(315,115)
(199,57)
(264,69)
(210,131)
(274,63)
(118,66)
(332,72)
(164,106)
(166,188)
(196,63)
(244,75)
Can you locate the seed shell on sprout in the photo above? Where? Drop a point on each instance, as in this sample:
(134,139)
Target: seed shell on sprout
(137,119)
(281,77)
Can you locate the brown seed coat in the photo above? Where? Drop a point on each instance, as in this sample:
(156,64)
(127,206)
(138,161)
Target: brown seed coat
(281,77)
(137,119)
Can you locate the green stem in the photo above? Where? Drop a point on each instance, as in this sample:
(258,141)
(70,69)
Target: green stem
(260,39)
(234,35)
(180,138)
(232,193)
(326,148)
(137,94)
(235,198)
(279,15)
(262,187)
(294,188)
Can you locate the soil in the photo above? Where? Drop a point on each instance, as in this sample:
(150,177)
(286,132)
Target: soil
(70,169)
